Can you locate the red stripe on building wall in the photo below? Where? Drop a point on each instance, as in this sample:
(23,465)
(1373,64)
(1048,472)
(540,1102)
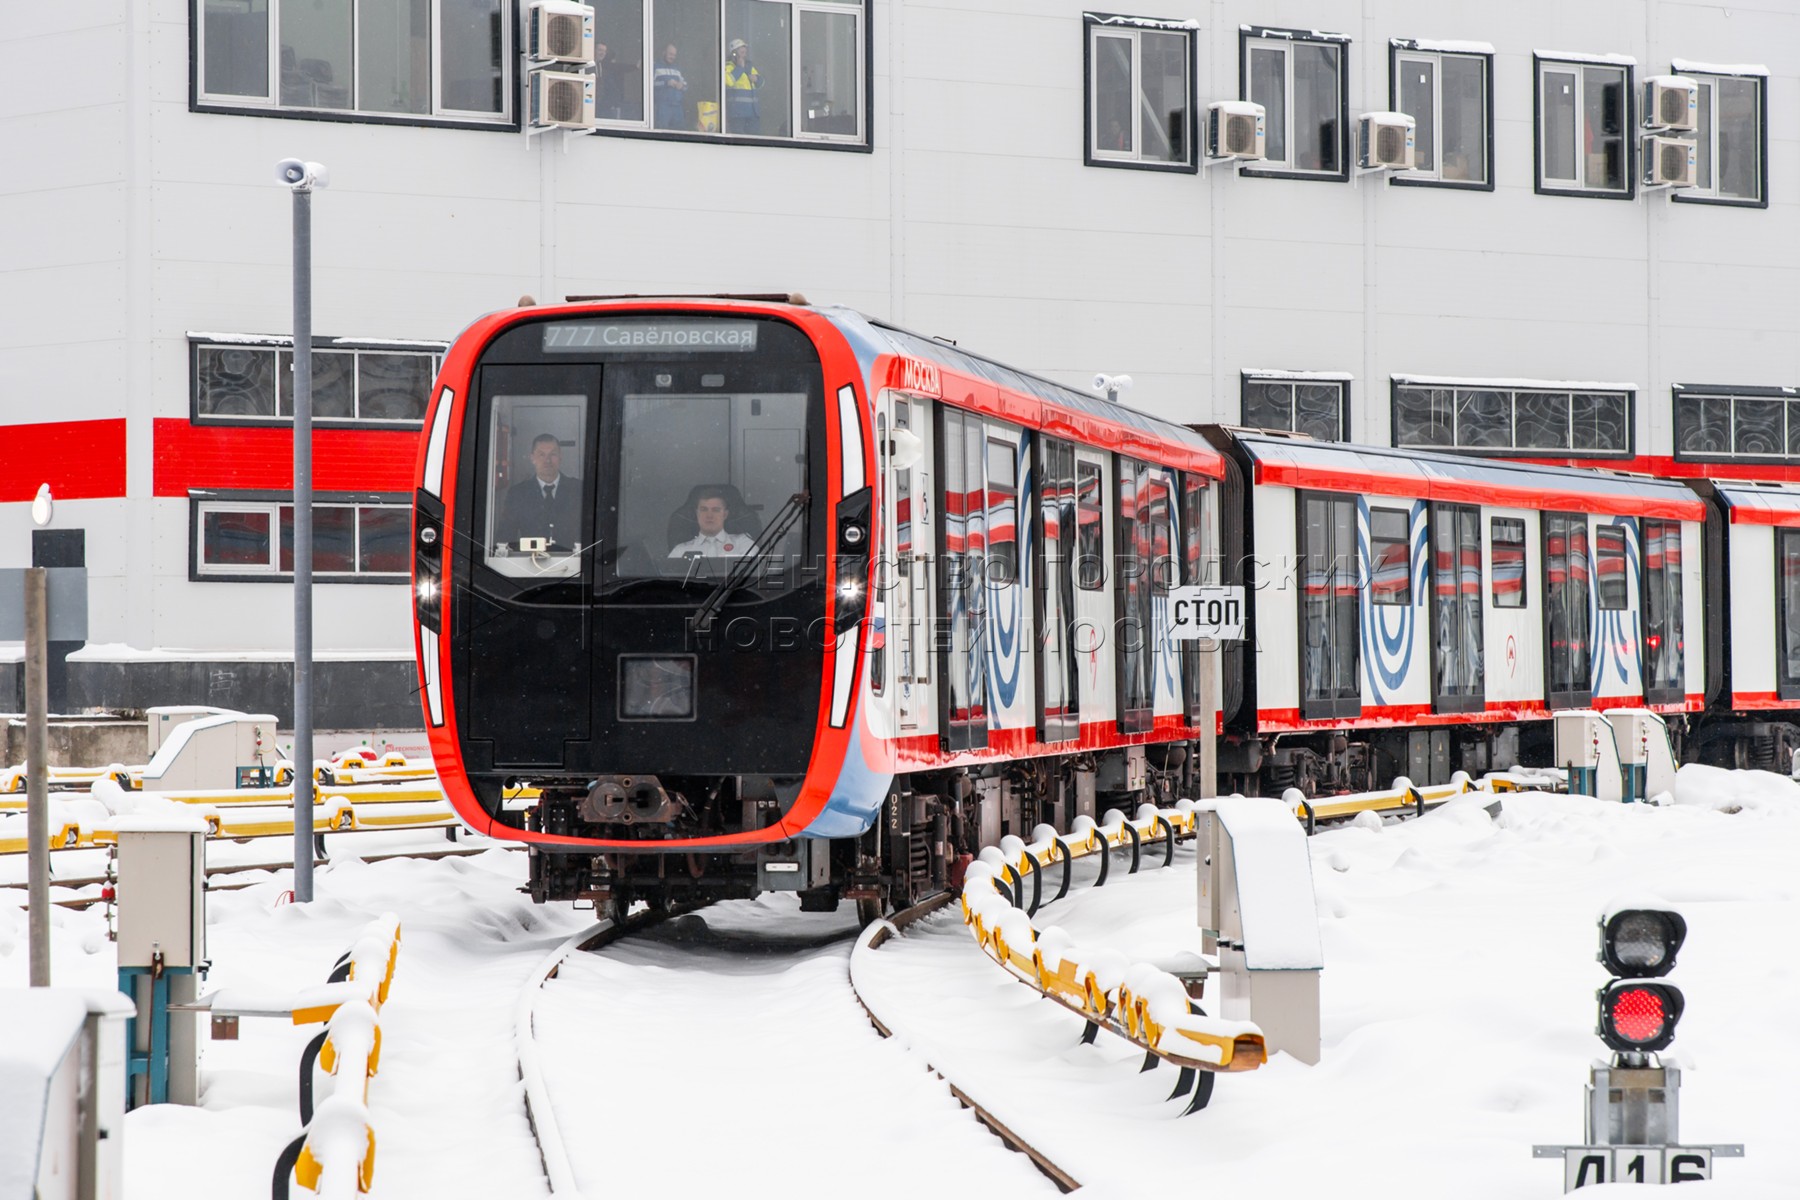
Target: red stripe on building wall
(80,460)
(234,457)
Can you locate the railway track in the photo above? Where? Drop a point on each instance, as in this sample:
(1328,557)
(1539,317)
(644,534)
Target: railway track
(873,938)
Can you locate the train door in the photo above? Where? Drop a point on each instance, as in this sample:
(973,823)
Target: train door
(1010,616)
(907,570)
(1198,566)
(1330,616)
(1055,558)
(1458,666)
(531,571)
(1665,642)
(963,544)
(1142,521)
(1513,674)
(1568,582)
(1093,643)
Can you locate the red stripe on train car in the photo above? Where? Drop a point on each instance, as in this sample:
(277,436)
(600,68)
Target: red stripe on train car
(80,460)
(1780,518)
(978,395)
(1381,716)
(925,751)
(1335,479)
(1762,700)
(227,457)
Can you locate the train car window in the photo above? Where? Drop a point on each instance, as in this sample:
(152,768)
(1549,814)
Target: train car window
(702,472)
(1002,505)
(1056,595)
(965,588)
(1787,610)
(1609,567)
(1330,620)
(1568,578)
(1663,635)
(911,667)
(1090,511)
(1507,585)
(1390,557)
(1157,510)
(1458,677)
(538,516)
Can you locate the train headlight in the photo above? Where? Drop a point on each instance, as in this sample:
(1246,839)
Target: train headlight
(1641,943)
(1639,1016)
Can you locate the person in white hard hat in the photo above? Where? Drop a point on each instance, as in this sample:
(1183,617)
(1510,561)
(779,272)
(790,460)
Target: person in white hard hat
(742,111)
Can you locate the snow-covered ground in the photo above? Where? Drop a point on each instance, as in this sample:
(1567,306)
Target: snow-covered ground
(728,1055)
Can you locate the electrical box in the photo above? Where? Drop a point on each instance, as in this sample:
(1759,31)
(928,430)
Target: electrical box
(1586,749)
(793,866)
(161,721)
(162,898)
(62,1074)
(212,750)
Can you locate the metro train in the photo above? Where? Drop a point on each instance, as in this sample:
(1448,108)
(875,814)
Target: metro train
(717,596)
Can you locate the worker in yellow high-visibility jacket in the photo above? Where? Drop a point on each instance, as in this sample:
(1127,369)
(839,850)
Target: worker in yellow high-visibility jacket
(742,113)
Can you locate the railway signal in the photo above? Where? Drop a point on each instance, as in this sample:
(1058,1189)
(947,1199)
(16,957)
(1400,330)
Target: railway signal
(1633,1101)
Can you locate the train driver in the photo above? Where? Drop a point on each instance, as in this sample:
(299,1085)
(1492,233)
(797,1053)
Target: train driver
(713,541)
(548,505)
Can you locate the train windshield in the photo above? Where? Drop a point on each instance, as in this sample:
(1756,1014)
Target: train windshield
(702,472)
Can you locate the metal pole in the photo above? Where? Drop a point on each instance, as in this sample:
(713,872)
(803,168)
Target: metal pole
(37,769)
(303,548)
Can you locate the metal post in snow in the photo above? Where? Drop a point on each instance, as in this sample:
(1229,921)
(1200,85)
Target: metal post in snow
(37,771)
(302,177)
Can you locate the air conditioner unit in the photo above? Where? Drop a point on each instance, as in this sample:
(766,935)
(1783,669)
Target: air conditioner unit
(1669,162)
(562,32)
(1234,129)
(1385,141)
(1671,102)
(562,98)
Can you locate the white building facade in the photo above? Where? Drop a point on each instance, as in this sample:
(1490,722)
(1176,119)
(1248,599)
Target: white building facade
(1030,178)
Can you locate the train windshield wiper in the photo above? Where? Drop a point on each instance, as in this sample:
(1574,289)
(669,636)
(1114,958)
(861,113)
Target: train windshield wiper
(746,566)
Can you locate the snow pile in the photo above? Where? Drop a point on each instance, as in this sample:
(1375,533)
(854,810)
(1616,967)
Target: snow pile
(1734,791)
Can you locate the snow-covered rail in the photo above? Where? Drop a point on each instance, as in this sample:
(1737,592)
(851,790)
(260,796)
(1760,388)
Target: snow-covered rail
(872,939)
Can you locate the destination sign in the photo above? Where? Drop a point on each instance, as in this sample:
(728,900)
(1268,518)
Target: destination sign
(649,333)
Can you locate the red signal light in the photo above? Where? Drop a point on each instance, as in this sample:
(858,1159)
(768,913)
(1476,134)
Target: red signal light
(1639,1016)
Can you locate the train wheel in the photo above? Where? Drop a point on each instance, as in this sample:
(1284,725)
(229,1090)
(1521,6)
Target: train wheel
(868,912)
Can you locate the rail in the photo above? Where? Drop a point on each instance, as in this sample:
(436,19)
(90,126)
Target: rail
(876,935)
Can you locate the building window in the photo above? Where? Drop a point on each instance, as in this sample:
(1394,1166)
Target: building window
(1514,421)
(1299,78)
(1731,144)
(1745,423)
(1506,539)
(1449,96)
(1390,557)
(1140,93)
(1318,406)
(251,381)
(736,68)
(404,59)
(354,537)
(1584,125)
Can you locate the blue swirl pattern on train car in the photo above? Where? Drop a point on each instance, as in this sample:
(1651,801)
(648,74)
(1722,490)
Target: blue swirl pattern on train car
(1615,645)
(1006,602)
(1389,630)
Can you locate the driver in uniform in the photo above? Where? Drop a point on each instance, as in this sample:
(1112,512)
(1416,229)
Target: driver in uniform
(710,513)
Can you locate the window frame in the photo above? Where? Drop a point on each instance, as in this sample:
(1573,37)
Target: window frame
(1093,25)
(1711,196)
(277,345)
(1524,545)
(1342,382)
(862,143)
(1473,698)
(1251,34)
(202,501)
(509,119)
(1402,598)
(1548,521)
(1787,684)
(1341,702)
(1513,388)
(1678,422)
(1628,125)
(1597,537)
(1399,48)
